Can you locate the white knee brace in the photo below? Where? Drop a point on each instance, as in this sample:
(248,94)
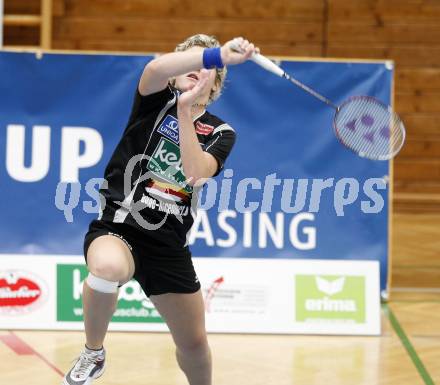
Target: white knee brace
(101,285)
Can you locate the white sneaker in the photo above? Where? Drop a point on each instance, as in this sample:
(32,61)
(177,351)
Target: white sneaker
(88,366)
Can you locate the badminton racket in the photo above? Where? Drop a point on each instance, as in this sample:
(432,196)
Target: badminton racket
(363,124)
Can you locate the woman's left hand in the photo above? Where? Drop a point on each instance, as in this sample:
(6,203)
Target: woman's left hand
(188,98)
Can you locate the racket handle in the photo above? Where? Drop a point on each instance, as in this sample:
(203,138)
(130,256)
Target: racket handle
(267,64)
(261,60)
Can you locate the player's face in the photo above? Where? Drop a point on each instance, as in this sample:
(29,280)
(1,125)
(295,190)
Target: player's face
(187,81)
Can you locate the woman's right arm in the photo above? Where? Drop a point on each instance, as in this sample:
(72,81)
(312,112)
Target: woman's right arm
(158,71)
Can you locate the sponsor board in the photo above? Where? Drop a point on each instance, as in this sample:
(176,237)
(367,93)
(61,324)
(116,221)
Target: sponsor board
(21,292)
(335,298)
(241,296)
(223,297)
(26,292)
(290,296)
(133,305)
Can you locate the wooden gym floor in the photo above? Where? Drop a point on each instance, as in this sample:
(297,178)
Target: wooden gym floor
(407,353)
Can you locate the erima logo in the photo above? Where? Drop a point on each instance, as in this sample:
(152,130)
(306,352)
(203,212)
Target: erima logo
(330,287)
(327,304)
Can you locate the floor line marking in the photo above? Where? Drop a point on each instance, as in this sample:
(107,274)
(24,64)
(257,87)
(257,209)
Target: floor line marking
(21,348)
(16,345)
(408,346)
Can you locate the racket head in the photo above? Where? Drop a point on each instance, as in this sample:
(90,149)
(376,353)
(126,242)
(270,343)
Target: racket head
(369,127)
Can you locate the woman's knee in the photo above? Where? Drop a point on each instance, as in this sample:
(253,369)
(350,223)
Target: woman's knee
(107,259)
(107,269)
(197,343)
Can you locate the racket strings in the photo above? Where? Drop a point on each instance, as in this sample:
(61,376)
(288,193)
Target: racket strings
(369,128)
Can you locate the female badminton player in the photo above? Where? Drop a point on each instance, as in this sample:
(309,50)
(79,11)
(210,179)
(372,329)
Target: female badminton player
(170,145)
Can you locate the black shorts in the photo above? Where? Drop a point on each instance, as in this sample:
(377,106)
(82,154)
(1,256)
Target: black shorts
(158,269)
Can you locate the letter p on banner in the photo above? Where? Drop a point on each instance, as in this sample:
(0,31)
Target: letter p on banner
(72,160)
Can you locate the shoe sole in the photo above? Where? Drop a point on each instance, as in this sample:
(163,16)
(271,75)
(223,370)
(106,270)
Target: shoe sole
(98,374)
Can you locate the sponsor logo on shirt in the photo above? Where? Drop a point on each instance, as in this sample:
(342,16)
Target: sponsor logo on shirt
(168,191)
(203,129)
(170,128)
(166,162)
(165,207)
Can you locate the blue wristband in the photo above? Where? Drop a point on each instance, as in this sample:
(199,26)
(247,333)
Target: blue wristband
(212,58)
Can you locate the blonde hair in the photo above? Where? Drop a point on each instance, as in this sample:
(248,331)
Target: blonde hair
(205,41)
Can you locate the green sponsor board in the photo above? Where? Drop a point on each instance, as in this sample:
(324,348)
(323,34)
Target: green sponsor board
(133,305)
(166,162)
(331,298)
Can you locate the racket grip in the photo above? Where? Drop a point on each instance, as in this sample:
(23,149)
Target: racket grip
(267,64)
(261,60)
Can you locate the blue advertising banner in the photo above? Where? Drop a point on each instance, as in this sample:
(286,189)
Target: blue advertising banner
(289,189)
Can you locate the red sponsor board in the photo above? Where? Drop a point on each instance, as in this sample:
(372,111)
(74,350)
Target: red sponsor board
(20,291)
